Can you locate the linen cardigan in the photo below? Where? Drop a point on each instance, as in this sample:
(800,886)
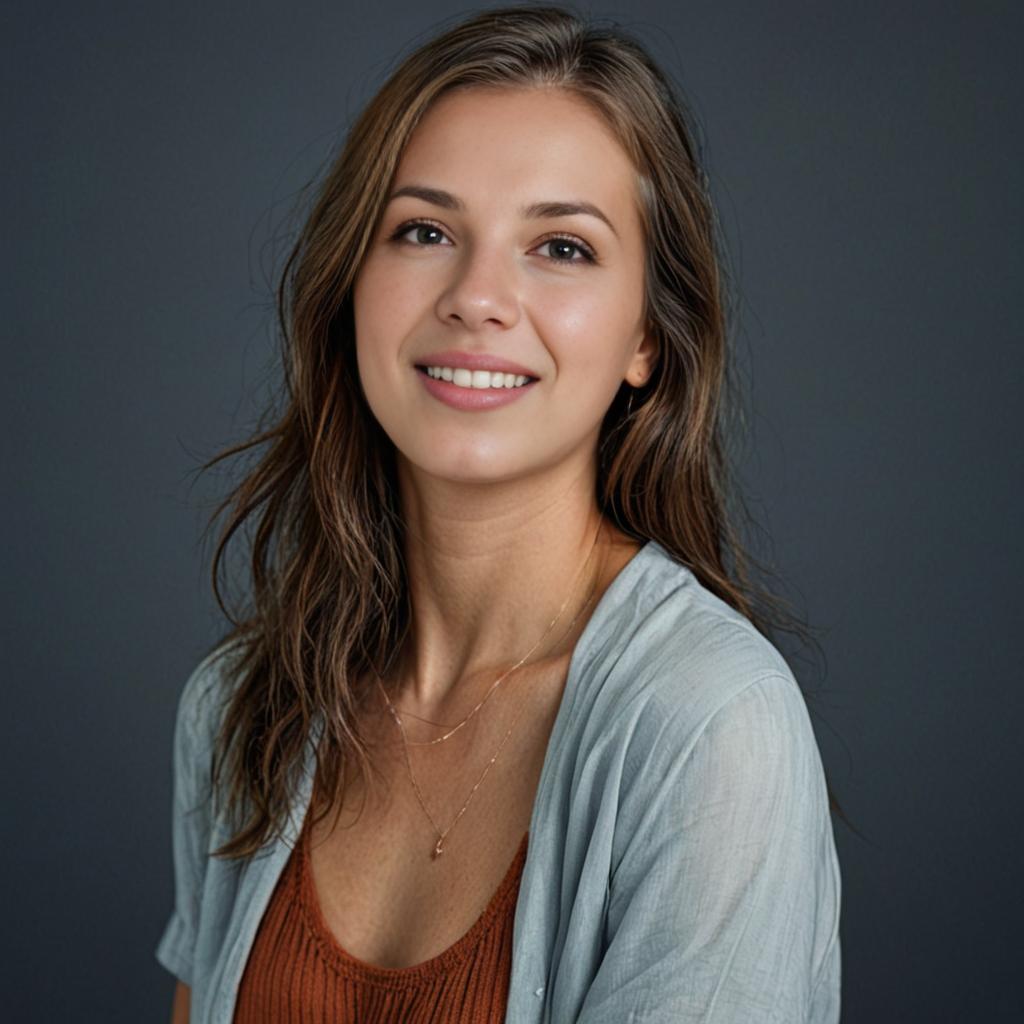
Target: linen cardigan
(681,865)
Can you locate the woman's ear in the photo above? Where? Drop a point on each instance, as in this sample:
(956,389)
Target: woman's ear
(644,360)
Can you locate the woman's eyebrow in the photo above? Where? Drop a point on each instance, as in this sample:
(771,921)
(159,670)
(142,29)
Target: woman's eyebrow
(549,208)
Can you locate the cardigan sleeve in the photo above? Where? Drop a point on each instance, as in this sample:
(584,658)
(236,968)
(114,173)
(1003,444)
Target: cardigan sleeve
(724,906)
(190,817)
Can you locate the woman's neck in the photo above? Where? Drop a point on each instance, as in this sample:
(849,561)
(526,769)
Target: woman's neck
(489,568)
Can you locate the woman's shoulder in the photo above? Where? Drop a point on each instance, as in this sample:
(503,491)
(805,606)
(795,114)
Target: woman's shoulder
(671,650)
(203,697)
(691,683)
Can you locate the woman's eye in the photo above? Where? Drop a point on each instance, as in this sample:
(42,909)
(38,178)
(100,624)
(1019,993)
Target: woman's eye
(559,245)
(422,228)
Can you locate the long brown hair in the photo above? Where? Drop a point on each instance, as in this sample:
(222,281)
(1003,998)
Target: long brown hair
(326,588)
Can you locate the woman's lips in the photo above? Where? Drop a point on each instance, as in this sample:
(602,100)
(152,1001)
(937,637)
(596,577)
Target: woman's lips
(471,399)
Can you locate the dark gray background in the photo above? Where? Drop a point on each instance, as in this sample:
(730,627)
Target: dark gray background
(865,159)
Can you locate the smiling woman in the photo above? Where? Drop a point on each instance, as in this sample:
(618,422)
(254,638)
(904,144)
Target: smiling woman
(518,268)
(497,608)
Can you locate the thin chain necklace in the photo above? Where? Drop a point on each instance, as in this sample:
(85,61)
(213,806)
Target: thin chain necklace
(504,675)
(438,848)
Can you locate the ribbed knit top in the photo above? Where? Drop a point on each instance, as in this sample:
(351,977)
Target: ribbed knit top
(298,973)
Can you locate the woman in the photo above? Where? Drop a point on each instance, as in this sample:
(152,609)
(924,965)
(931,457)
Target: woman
(499,737)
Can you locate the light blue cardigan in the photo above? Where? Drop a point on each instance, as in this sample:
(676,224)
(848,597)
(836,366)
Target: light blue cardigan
(681,864)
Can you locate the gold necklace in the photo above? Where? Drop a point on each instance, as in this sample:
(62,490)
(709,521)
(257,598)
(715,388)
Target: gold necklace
(438,848)
(504,675)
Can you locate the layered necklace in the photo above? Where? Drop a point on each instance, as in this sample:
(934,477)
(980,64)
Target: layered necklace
(442,834)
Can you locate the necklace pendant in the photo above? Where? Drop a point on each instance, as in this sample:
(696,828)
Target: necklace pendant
(438,849)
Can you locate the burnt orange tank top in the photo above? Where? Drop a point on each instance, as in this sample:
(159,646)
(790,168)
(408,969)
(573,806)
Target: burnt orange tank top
(297,972)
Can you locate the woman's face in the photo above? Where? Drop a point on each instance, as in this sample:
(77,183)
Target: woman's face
(486,266)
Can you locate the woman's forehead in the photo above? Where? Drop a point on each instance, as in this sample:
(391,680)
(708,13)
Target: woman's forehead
(522,149)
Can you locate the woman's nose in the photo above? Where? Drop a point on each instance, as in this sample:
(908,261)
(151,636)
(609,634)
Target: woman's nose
(483,288)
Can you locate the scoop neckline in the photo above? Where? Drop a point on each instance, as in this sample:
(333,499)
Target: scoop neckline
(348,964)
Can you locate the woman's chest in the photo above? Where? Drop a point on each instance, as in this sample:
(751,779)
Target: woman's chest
(381,893)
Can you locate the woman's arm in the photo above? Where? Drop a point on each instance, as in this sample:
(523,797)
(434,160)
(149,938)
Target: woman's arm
(182,998)
(724,904)
(190,822)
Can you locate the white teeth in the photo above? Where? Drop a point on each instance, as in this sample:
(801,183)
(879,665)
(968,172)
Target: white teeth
(477,378)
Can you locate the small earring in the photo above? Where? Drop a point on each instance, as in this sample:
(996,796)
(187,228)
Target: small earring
(629,403)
